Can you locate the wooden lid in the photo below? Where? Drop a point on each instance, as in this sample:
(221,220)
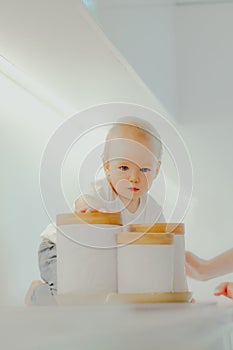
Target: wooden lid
(115,298)
(89,218)
(173,227)
(146,238)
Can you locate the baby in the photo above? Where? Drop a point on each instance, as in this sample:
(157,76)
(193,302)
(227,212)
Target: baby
(131,162)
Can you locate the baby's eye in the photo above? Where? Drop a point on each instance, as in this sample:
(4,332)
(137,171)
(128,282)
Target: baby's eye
(124,167)
(145,170)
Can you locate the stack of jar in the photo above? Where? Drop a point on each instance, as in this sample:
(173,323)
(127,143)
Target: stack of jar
(94,257)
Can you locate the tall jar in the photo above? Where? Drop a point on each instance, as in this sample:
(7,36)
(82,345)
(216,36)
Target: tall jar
(86,253)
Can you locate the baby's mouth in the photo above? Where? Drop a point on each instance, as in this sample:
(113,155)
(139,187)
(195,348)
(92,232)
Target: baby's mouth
(133,189)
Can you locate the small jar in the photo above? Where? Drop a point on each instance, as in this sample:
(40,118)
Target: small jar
(144,262)
(86,254)
(178,229)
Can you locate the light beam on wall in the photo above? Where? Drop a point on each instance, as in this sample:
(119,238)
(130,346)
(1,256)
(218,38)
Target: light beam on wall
(40,92)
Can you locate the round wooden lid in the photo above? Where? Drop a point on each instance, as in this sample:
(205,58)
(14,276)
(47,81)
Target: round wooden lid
(89,218)
(146,238)
(173,227)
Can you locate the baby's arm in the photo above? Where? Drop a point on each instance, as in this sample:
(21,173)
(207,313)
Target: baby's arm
(204,270)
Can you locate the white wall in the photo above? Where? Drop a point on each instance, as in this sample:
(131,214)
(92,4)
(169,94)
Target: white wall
(26,125)
(58,45)
(181,49)
(204,56)
(143,31)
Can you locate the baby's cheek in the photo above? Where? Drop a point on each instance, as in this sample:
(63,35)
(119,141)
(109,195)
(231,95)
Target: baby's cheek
(147,177)
(149,180)
(122,183)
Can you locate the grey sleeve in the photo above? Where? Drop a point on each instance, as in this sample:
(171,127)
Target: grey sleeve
(44,293)
(47,256)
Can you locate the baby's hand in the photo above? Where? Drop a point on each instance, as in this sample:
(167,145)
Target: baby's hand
(225,289)
(88,210)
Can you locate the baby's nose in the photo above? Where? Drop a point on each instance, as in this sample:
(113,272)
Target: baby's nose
(134,175)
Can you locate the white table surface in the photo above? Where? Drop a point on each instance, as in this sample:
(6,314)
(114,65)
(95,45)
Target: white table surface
(99,327)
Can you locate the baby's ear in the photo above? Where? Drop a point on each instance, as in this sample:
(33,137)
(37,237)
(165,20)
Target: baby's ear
(157,169)
(106,167)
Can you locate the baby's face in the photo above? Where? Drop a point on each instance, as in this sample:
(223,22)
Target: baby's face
(131,165)
(129,180)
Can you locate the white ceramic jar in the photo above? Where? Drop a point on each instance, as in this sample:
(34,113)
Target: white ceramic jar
(144,262)
(180,281)
(178,229)
(86,257)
